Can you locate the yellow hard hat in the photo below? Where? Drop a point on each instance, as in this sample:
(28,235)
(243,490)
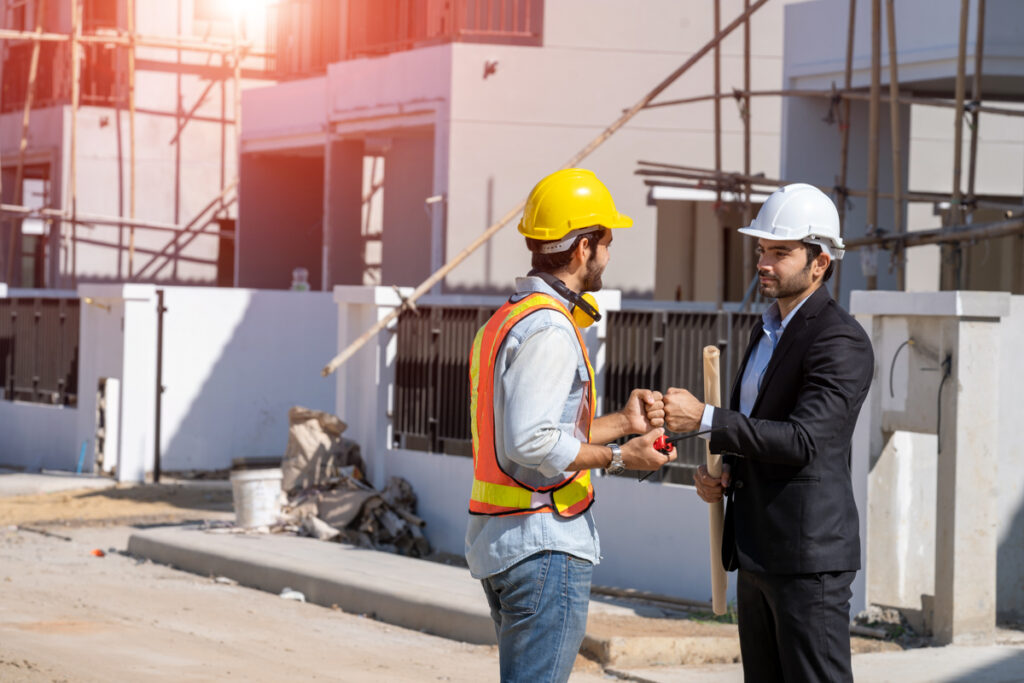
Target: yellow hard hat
(567,201)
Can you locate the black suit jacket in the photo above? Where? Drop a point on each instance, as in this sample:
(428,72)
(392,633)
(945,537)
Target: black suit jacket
(791,508)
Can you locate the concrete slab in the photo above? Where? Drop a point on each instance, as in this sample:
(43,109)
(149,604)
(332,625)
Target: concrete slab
(425,596)
(435,598)
(26,484)
(951,664)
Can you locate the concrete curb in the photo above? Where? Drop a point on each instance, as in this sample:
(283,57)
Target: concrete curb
(433,598)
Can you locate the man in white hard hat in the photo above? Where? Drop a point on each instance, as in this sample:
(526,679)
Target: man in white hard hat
(791,526)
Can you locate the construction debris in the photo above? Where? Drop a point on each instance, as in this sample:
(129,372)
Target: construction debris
(329,498)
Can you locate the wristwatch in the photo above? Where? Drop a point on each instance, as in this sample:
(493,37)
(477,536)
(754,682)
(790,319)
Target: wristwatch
(617,466)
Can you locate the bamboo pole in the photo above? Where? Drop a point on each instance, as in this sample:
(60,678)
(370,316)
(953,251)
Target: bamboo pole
(748,209)
(209,45)
(14,246)
(894,137)
(90,219)
(76,75)
(955,280)
(844,151)
(873,142)
(438,275)
(979,54)
(130,10)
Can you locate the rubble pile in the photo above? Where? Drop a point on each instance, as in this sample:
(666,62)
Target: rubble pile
(329,498)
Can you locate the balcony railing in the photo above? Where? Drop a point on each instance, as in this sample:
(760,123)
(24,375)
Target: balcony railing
(310,34)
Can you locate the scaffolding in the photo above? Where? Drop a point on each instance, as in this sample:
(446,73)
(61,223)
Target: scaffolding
(951,236)
(128,39)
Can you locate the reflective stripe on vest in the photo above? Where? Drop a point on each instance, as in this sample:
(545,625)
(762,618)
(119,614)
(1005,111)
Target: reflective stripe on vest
(495,492)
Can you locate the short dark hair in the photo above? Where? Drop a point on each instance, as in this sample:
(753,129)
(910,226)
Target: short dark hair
(812,253)
(549,263)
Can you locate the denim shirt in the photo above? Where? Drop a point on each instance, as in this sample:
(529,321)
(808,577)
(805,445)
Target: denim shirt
(540,380)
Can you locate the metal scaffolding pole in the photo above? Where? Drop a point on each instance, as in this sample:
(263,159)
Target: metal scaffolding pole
(14,246)
(870,270)
(844,153)
(130,11)
(438,275)
(76,75)
(955,256)
(894,137)
(720,237)
(979,55)
(748,211)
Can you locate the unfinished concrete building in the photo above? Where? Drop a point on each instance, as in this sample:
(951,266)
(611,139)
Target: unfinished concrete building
(418,125)
(118,137)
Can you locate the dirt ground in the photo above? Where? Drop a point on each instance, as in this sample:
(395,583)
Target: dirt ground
(67,614)
(124,504)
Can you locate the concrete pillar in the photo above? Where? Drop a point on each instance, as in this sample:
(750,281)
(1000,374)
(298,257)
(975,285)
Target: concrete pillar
(343,247)
(966,496)
(947,382)
(365,383)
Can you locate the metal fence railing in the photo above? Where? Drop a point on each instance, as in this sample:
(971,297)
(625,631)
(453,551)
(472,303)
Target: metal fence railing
(662,349)
(653,348)
(39,350)
(431,399)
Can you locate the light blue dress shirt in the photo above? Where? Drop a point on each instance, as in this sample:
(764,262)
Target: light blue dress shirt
(540,381)
(753,375)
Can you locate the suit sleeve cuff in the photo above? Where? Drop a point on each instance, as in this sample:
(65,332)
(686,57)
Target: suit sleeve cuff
(561,456)
(706,421)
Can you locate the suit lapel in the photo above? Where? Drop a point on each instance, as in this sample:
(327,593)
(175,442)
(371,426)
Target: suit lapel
(815,302)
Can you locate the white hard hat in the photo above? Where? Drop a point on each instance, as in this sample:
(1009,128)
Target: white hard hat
(799,212)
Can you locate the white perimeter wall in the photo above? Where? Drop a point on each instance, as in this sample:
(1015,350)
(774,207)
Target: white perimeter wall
(234,362)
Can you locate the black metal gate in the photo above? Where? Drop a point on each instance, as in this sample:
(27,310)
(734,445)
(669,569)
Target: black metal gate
(662,349)
(39,350)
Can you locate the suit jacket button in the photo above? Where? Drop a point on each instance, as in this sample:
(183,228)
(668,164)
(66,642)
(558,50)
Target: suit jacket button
(739,483)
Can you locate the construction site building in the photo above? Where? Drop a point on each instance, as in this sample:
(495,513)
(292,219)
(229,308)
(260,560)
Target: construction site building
(404,150)
(126,170)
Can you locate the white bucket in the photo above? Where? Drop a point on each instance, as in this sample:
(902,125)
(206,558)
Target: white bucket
(256,494)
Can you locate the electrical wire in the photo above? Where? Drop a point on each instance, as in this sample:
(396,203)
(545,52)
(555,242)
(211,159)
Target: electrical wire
(892,365)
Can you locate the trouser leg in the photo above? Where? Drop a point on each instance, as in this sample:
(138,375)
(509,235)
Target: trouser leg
(541,616)
(810,625)
(757,631)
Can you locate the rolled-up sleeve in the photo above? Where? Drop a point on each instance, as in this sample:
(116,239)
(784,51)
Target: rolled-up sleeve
(537,384)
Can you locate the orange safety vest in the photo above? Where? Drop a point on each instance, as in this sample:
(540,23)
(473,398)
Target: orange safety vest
(494,491)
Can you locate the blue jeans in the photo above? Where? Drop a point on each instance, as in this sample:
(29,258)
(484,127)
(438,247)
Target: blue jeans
(539,607)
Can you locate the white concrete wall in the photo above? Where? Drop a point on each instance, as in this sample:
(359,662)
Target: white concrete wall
(37,436)
(235,361)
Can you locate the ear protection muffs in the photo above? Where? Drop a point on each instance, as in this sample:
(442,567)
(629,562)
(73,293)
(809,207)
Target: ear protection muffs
(584,306)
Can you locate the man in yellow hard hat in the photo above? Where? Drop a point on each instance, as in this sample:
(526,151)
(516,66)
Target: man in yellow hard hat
(531,538)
